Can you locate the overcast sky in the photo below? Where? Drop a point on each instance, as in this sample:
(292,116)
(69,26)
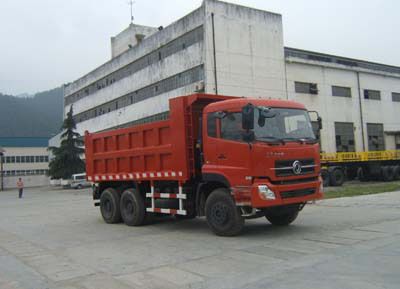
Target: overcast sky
(44,43)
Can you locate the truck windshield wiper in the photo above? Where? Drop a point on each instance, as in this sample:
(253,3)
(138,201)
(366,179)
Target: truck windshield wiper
(302,140)
(272,139)
(310,140)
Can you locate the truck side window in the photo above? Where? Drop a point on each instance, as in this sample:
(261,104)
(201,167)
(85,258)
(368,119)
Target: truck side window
(211,125)
(231,127)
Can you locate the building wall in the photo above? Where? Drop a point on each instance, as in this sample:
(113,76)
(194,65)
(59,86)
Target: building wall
(247,59)
(249,51)
(129,38)
(342,109)
(161,78)
(33,172)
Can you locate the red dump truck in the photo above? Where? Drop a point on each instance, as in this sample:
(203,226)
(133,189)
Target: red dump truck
(222,157)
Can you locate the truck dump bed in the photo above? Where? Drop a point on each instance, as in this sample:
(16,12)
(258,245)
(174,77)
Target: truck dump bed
(162,150)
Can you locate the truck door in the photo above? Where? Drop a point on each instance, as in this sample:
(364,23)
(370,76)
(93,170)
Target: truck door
(233,154)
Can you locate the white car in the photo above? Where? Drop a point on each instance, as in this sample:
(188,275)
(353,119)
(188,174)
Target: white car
(79,181)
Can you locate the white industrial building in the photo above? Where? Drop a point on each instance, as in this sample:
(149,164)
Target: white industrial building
(239,51)
(26,158)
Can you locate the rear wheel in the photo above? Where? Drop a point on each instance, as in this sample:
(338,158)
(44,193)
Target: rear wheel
(387,174)
(396,170)
(109,206)
(282,218)
(337,177)
(363,174)
(223,217)
(133,209)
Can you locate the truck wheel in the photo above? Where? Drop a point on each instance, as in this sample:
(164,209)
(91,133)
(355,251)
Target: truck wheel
(283,219)
(325,177)
(109,206)
(337,177)
(363,175)
(223,217)
(387,174)
(396,170)
(133,210)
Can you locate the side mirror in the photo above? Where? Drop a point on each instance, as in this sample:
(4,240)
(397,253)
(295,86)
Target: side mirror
(319,123)
(319,119)
(248,117)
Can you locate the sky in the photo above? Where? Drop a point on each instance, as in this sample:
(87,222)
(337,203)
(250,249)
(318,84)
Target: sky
(45,43)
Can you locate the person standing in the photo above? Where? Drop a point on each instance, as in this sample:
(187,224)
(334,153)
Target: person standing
(20,186)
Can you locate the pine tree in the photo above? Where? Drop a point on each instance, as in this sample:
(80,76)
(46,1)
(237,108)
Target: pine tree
(67,160)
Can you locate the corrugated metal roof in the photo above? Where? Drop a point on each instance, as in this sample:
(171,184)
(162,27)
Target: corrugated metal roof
(14,142)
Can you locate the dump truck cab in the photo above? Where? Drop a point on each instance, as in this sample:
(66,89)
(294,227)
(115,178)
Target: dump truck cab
(264,150)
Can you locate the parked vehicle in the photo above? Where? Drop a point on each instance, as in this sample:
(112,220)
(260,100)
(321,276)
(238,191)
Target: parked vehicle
(225,158)
(366,166)
(79,181)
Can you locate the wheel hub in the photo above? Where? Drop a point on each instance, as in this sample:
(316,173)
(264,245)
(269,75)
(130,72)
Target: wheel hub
(219,214)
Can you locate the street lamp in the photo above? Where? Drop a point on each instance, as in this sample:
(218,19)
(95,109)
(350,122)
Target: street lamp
(1,170)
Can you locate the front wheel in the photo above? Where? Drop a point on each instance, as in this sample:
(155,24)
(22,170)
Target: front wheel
(282,219)
(223,217)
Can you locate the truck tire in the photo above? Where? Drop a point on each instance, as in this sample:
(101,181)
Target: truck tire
(284,219)
(325,177)
(363,175)
(396,170)
(223,217)
(109,206)
(387,174)
(133,210)
(337,177)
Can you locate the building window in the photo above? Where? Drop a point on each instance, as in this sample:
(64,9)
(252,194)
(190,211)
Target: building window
(396,96)
(376,141)
(372,94)
(397,140)
(304,87)
(344,132)
(341,91)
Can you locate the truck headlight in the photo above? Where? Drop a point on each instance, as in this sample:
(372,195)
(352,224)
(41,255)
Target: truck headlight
(265,193)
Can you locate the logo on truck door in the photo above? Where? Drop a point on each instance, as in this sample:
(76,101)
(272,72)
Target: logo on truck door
(297,167)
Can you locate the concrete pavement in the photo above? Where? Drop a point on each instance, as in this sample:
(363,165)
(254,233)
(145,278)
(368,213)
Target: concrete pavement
(57,239)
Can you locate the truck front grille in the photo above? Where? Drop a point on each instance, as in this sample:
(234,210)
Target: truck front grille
(284,168)
(297,193)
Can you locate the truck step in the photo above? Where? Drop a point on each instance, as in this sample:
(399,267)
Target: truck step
(167,211)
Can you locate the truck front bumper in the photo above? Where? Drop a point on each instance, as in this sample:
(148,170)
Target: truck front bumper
(263,193)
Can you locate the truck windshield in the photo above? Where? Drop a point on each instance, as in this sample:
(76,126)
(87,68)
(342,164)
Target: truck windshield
(273,125)
(282,124)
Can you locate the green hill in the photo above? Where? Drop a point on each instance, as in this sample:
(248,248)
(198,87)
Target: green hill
(37,116)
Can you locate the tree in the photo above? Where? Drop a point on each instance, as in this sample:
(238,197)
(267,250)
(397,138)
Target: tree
(67,160)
